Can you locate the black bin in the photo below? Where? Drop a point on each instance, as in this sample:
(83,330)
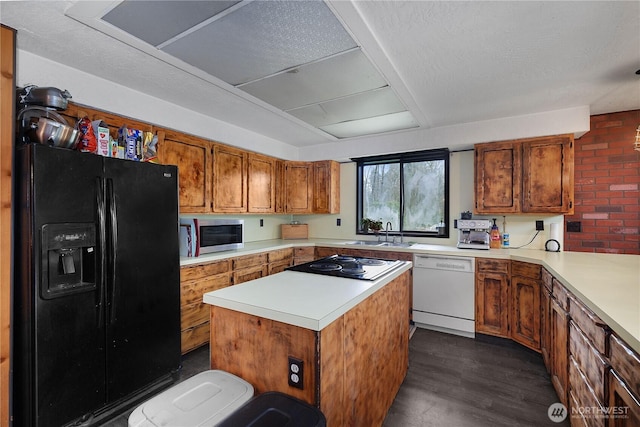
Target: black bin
(274,409)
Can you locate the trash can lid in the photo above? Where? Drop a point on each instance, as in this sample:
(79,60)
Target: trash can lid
(275,409)
(202,400)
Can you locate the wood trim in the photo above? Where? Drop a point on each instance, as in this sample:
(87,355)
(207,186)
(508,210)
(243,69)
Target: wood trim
(7,114)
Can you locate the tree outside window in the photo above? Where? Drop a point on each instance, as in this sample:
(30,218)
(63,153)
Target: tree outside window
(409,190)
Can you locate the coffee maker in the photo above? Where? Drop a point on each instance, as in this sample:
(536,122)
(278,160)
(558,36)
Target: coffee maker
(473,233)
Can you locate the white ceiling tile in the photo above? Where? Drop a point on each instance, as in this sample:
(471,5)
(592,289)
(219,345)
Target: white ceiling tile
(342,75)
(263,38)
(373,125)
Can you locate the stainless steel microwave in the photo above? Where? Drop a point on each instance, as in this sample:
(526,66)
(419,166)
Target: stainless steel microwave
(202,236)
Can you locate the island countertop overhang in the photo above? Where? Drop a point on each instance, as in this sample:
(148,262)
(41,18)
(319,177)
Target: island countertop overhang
(306,300)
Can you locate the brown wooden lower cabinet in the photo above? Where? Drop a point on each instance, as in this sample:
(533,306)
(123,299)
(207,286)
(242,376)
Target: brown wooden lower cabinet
(559,328)
(545,317)
(195,281)
(250,267)
(525,304)
(492,297)
(352,373)
(624,404)
(303,254)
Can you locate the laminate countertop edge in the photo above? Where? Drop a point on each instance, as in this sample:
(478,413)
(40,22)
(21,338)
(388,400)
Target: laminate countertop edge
(608,284)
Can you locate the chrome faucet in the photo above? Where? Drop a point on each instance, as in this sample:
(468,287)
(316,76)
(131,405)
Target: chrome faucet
(386,231)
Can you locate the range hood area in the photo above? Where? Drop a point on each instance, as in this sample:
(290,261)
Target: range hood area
(292,57)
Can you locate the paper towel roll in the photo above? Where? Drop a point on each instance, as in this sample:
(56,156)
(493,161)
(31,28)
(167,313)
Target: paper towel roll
(554,231)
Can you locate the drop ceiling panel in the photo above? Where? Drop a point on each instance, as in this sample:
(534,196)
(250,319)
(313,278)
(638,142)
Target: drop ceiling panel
(262,38)
(158,21)
(332,78)
(387,123)
(363,105)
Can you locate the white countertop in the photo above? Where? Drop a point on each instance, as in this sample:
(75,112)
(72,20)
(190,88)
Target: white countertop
(311,301)
(609,284)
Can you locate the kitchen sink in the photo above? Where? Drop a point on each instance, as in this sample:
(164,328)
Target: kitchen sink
(374,243)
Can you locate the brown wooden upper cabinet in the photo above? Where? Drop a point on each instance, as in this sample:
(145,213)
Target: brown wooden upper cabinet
(229,179)
(261,184)
(192,156)
(525,176)
(326,187)
(298,187)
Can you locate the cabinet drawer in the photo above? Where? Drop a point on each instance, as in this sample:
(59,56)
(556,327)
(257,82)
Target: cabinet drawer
(250,273)
(194,314)
(492,265)
(625,362)
(591,363)
(304,252)
(590,324)
(547,280)
(249,260)
(561,294)
(193,290)
(525,269)
(198,271)
(586,403)
(195,337)
(577,420)
(280,255)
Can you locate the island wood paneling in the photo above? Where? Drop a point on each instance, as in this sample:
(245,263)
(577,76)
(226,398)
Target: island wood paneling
(353,368)
(7,114)
(257,349)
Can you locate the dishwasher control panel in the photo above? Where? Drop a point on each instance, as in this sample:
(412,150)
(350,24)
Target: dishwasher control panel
(461,264)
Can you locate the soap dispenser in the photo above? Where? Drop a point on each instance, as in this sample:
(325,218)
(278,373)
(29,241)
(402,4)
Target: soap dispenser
(494,236)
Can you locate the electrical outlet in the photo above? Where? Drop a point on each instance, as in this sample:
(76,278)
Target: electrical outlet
(261,222)
(338,222)
(539,225)
(296,372)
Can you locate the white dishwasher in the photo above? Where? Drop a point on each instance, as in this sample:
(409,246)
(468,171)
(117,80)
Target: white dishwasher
(444,294)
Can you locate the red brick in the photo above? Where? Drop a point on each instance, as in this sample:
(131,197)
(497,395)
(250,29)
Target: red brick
(629,201)
(609,194)
(608,237)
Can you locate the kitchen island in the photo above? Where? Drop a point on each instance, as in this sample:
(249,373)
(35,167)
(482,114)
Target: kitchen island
(350,336)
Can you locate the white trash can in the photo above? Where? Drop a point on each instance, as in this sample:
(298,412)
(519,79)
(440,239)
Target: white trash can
(202,400)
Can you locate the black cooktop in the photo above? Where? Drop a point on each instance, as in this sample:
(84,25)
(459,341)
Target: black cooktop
(349,266)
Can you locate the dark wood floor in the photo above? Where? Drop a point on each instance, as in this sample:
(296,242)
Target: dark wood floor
(454,382)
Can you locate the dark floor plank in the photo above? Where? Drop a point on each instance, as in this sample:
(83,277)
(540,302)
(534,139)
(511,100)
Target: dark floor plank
(456,381)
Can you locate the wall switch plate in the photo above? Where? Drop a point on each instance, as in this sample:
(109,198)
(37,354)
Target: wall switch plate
(261,222)
(574,226)
(539,225)
(296,372)
(338,222)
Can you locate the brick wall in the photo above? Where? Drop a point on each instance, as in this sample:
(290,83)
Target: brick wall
(607,178)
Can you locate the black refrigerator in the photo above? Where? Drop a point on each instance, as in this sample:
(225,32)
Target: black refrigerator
(96,319)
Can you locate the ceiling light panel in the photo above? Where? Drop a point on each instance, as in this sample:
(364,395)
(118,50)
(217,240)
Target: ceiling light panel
(158,21)
(386,123)
(360,106)
(339,76)
(262,38)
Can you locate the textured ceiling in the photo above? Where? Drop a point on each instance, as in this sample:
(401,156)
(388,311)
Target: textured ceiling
(449,62)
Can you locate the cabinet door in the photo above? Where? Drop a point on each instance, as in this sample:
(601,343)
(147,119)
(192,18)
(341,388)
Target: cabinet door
(298,187)
(559,350)
(492,304)
(229,179)
(498,172)
(326,192)
(280,190)
(193,158)
(545,325)
(547,165)
(261,184)
(525,311)
(625,404)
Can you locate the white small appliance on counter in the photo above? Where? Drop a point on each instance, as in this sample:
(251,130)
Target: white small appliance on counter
(473,233)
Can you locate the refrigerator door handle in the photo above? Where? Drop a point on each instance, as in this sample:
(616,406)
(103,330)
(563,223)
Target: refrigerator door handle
(113,236)
(103,249)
